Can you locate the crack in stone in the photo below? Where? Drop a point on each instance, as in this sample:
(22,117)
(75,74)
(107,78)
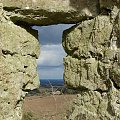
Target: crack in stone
(7,52)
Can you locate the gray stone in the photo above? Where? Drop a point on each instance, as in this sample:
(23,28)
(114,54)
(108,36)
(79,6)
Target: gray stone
(90,54)
(83,74)
(109,4)
(18,74)
(91,105)
(40,12)
(92,64)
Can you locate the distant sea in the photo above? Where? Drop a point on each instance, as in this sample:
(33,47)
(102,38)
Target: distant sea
(53,82)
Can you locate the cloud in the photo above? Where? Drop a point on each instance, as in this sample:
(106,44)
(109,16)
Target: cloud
(51,34)
(50,62)
(52,73)
(51,56)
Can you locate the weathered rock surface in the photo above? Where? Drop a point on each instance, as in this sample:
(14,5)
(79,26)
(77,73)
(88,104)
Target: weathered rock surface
(92,65)
(89,43)
(40,12)
(109,4)
(92,105)
(18,52)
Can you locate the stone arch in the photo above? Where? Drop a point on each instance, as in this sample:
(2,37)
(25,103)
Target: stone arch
(19,49)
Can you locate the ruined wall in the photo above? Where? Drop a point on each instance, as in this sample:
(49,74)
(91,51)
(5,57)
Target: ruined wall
(18,52)
(41,12)
(92,64)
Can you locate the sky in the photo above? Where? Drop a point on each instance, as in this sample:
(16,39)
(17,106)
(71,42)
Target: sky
(50,61)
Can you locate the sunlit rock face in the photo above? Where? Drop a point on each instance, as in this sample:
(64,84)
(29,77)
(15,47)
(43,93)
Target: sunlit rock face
(88,47)
(92,64)
(18,52)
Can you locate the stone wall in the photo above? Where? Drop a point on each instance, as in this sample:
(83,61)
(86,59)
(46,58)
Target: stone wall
(18,52)
(92,64)
(40,12)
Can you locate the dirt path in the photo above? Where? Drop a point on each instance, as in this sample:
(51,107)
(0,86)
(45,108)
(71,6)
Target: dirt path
(48,107)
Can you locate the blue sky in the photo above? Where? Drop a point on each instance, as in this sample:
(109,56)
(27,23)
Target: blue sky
(50,62)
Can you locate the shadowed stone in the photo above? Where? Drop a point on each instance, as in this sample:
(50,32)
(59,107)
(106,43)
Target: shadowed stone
(40,12)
